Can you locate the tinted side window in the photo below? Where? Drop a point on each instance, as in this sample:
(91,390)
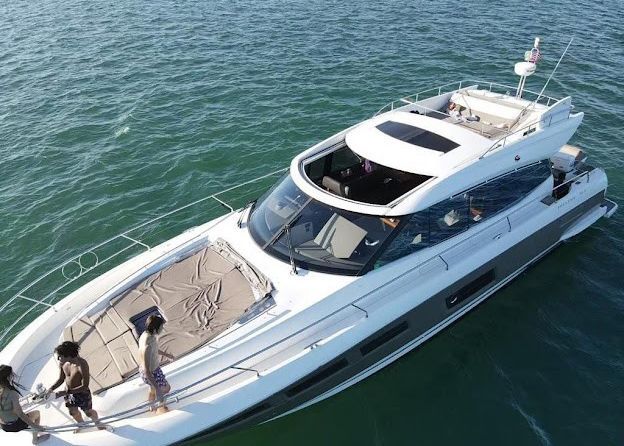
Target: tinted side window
(492,197)
(454,215)
(428,227)
(317,377)
(476,285)
(380,340)
(413,237)
(447,218)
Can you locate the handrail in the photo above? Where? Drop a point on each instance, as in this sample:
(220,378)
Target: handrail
(459,84)
(179,394)
(511,88)
(80,260)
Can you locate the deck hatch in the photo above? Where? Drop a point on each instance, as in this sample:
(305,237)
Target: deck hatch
(139,321)
(417,136)
(383,338)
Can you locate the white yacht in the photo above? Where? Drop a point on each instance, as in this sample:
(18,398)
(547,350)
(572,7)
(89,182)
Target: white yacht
(373,241)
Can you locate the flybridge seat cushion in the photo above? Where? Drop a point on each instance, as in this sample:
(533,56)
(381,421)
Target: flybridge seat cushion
(485,127)
(493,112)
(199,298)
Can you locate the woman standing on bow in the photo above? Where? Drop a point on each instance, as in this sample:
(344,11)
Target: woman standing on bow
(12,417)
(149,363)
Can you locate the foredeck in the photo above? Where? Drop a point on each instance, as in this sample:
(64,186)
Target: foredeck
(199,297)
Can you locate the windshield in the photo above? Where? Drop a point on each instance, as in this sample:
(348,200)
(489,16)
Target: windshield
(322,238)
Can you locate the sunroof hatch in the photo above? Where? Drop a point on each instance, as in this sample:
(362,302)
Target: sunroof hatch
(417,136)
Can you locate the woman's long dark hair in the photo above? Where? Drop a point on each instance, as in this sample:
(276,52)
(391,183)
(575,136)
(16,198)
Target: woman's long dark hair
(7,378)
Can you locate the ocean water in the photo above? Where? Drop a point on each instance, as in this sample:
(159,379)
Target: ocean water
(112,113)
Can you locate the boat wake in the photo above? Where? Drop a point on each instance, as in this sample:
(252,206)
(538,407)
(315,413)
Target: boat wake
(535,427)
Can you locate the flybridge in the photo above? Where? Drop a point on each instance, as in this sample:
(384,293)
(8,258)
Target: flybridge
(425,150)
(414,142)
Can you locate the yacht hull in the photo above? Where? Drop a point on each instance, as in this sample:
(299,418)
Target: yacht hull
(416,326)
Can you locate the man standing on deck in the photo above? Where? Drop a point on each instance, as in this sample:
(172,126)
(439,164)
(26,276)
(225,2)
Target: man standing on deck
(74,371)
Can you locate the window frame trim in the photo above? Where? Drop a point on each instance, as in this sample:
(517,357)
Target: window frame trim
(339,145)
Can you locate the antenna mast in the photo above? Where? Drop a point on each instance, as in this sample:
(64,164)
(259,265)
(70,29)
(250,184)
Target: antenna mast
(528,67)
(554,69)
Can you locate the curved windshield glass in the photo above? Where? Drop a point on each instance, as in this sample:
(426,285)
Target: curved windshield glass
(319,237)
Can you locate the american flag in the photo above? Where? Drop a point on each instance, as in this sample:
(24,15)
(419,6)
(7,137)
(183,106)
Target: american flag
(535,55)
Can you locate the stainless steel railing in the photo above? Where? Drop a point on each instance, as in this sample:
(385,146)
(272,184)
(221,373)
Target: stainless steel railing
(458,85)
(71,271)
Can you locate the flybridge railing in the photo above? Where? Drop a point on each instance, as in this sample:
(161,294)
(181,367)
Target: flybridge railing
(458,85)
(544,122)
(202,385)
(42,293)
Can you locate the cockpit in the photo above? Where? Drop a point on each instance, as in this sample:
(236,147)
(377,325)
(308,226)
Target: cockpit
(289,224)
(382,192)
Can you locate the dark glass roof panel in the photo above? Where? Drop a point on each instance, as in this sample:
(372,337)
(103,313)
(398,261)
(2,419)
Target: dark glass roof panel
(417,136)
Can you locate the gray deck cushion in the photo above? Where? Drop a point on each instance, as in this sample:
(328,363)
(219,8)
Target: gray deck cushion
(103,370)
(132,303)
(109,362)
(258,281)
(125,352)
(67,333)
(84,333)
(109,324)
(199,297)
(80,329)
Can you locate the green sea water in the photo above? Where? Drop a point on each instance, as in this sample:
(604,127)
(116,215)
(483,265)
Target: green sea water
(112,113)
